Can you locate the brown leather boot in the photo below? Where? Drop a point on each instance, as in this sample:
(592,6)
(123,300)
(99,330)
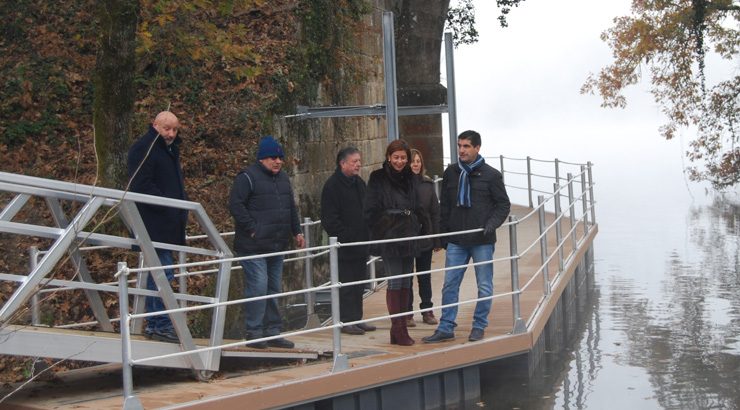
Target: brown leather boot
(406,307)
(429,318)
(399,334)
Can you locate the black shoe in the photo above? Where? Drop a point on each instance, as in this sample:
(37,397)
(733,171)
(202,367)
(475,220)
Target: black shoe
(255,345)
(165,335)
(281,342)
(148,332)
(438,336)
(353,330)
(366,327)
(475,335)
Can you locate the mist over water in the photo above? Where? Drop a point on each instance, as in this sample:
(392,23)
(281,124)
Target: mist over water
(662,326)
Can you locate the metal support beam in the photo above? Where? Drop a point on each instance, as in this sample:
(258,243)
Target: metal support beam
(365,111)
(389,67)
(97,238)
(102,287)
(14,206)
(52,257)
(131,215)
(218,319)
(391,109)
(451,98)
(83,274)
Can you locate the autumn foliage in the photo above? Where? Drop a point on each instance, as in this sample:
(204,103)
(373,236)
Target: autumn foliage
(228,69)
(670,41)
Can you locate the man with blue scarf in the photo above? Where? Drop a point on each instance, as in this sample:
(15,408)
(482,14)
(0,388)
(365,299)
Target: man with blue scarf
(473,196)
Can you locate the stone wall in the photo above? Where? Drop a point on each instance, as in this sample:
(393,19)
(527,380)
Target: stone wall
(312,144)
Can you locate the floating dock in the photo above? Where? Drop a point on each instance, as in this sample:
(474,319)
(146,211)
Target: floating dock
(379,375)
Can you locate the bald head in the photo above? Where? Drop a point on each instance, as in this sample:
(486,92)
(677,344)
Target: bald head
(167,125)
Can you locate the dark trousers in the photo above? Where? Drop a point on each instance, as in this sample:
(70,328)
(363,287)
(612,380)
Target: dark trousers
(350,297)
(423,263)
(160,323)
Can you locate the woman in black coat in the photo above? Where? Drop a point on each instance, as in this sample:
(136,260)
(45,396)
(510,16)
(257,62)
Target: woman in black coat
(391,212)
(429,205)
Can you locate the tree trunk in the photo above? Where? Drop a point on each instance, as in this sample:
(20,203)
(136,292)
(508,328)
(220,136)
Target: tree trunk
(113,106)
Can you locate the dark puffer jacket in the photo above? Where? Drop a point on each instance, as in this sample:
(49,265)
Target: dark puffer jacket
(391,210)
(341,213)
(160,174)
(490,205)
(264,211)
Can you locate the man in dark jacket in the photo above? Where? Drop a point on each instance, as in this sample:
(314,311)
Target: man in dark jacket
(341,216)
(265,217)
(473,196)
(154,169)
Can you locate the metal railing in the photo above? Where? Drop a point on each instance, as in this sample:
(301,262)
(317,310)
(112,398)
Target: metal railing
(583,216)
(518,324)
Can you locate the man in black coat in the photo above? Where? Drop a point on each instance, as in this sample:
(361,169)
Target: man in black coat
(341,215)
(154,169)
(265,218)
(473,197)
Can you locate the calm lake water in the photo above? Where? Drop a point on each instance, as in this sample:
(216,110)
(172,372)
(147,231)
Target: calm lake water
(662,326)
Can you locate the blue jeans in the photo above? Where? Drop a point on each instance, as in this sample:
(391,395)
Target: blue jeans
(460,255)
(263,276)
(154,303)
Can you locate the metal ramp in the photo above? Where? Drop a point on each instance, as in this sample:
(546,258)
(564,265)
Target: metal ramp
(71,232)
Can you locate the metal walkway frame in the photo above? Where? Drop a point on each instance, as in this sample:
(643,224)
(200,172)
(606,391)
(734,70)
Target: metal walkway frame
(68,235)
(390,109)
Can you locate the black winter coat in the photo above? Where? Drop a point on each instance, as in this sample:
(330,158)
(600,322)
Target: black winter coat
(490,205)
(391,211)
(428,212)
(341,213)
(160,175)
(264,211)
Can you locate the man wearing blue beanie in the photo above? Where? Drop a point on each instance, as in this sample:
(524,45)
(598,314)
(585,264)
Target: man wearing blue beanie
(265,218)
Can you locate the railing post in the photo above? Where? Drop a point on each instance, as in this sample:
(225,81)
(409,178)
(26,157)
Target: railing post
(130,402)
(373,273)
(558,226)
(183,279)
(33,253)
(140,301)
(518,325)
(543,243)
(571,211)
(591,192)
(340,360)
(312,319)
(501,164)
(557,171)
(529,180)
(584,200)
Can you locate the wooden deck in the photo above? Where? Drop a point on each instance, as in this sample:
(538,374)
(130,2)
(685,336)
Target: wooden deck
(373,360)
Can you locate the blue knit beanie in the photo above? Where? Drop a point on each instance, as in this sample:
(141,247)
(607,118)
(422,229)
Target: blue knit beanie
(269,148)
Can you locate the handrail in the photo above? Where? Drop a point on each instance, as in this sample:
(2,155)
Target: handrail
(337,324)
(581,180)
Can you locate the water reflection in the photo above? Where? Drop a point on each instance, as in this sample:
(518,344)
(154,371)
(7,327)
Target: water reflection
(646,338)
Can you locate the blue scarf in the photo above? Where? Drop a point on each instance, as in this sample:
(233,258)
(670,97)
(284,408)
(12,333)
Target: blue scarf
(463,187)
